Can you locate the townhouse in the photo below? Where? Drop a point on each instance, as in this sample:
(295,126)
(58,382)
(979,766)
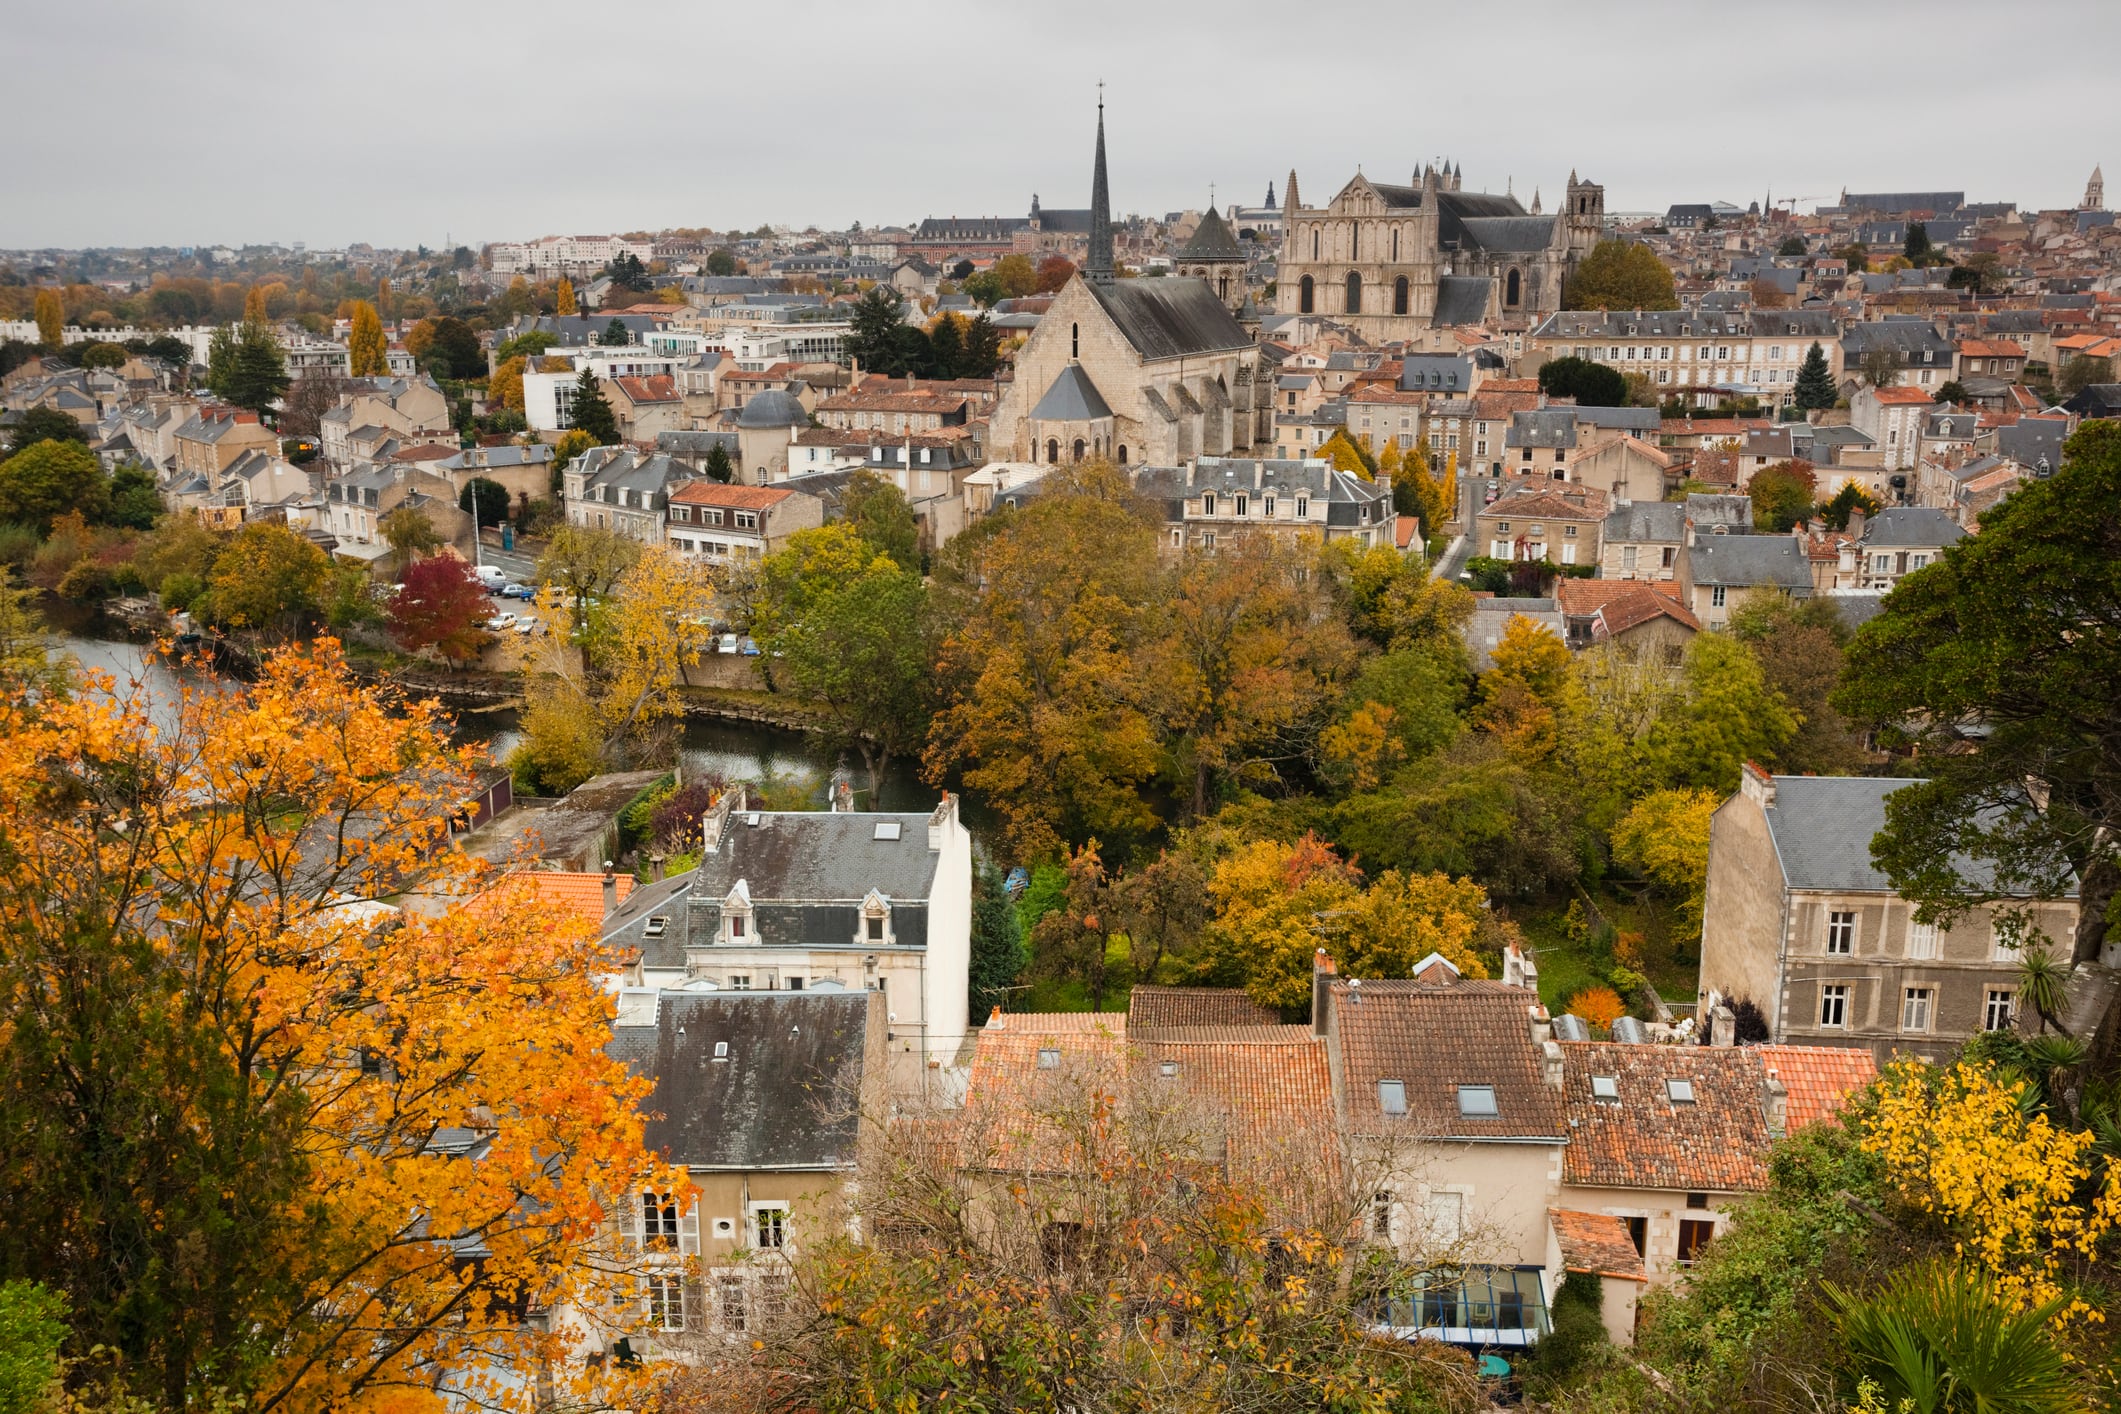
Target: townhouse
(619,489)
(1213,499)
(1751,353)
(723,524)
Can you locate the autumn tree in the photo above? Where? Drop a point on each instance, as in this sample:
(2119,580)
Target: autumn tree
(1726,715)
(585,562)
(1620,275)
(1782,495)
(846,626)
(51,318)
(648,638)
(1665,838)
(439,604)
(49,479)
(308,399)
(267,579)
(367,351)
(564,297)
(1996,632)
(505,388)
(1519,693)
(1799,646)
(1053,272)
(228,1063)
(1043,709)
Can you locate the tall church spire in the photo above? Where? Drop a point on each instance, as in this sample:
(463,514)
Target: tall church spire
(1098,267)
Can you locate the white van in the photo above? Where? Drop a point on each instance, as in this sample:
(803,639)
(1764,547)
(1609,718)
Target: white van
(492,576)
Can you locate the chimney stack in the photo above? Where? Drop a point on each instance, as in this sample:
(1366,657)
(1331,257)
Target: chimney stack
(1776,1102)
(941,820)
(1322,974)
(1756,785)
(1723,1027)
(1550,1067)
(1542,1024)
(716,821)
(611,890)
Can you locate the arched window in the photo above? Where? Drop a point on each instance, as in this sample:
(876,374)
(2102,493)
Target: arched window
(1354,242)
(1395,250)
(1314,242)
(1052,451)
(1513,290)
(1399,295)
(1222,287)
(1078,449)
(1354,292)
(1303,296)
(1075,341)
(1123,454)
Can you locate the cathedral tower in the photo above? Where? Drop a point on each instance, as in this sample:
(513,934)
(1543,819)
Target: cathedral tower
(2095,192)
(1097,267)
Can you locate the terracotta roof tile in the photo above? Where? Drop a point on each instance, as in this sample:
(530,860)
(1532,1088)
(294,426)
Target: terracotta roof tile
(1990,348)
(716,493)
(1436,1039)
(1151,1007)
(1596,1244)
(1901,397)
(1818,1078)
(1645,1137)
(578,893)
(656,388)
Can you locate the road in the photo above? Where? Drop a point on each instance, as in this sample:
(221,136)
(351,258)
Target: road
(516,565)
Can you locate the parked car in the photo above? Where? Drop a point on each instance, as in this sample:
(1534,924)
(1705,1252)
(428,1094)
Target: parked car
(728,644)
(500,623)
(492,576)
(527,626)
(748,647)
(512,590)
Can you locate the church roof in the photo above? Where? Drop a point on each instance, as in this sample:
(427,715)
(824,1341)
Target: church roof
(1212,240)
(1509,233)
(1461,299)
(1072,398)
(1397,196)
(1453,208)
(1170,317)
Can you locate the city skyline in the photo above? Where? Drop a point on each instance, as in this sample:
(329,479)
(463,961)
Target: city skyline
(464,149)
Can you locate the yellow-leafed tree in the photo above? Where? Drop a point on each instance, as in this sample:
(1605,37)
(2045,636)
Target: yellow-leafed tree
(506,385)
(566,296)
(51,318)
(345,1091)
(254,305)
(367,351)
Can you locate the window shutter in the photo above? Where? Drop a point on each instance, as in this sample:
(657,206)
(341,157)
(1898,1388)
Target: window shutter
(689,1229)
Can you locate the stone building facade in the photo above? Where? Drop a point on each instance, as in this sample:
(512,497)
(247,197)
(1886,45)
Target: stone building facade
(1393,261)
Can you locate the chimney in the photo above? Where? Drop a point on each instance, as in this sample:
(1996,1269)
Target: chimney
(611,890)
(941,822)
(994,1020)
(1775,1100)
(716,821)
(655,867)
(1856,519)
(1723,1027)
(843,796)
(1757,785)
(1542,1024)
(1322,974)
(1550,1068)
(1518,969)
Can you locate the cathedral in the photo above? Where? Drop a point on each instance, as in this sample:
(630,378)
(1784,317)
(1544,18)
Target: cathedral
(1392,261)
(1154,370)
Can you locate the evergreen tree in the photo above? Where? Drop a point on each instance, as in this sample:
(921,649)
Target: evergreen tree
(983,349)
(614,335)
(1815,381)
(718,464)
(221,361)
(997,942)
(245,367)
(946,348)
(1917,247)
(591,412)
(627,273)
(875,322)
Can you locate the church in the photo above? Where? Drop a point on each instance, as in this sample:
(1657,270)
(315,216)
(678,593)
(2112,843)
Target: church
(1392,261)
(1154,370)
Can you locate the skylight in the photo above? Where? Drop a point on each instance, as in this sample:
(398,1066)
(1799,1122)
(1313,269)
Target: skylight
(1477,1100)
(1605,1087)
(656,925)
(1392,1096)
(887,829)
(1680,1091)
(721,1050)
(1049,1058)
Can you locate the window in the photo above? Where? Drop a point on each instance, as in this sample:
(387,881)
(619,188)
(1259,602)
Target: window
(1399,286)
(1697,1201)
(747,520)
(1679,1091)
(1996,1016)
(1304,289)
(1717,595)
(773,1295)
(721,1050)
(1921,940)
(1513,291)
(666,1303)
(729,1301)
(1052,451)
(1075,341)
(659,1222)
(1477,1101)
(1266,507)
(739,981)
(1243,502)
(1354,293)
(769,1223)
(1078,449)
(1392,1096)
(1207,541)
(1834,1005)
(1605,1087)
(1915,1009)
(873,928)
(1207,504)
(1303,507)
(1841,932)
(1627,557)
(736,925)
(1049,1058)
(1381,1215)
(657,926)
(1694,1236)
(1568,532)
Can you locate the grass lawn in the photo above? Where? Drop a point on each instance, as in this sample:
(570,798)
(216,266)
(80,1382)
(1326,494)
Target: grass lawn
(1567,966)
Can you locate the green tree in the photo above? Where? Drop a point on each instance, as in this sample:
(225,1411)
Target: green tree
(1952,392)
(997,943)
(591,410)
(1782,495)
(1852,497)
(101,355)
(1916,247)
(1815,381)
(2082,372)
(1858,256)
(721,262)
(32,1328)
(615,335)
(1791,246)
(44,424)
(983,348)
(525,346)
(1590,384)
(847,626)
(1995,632)
(1620,275)
(878,512)
(267,579)
(49,479)
(1799,646)
(253,372)
(946,347)
(627,273)
(410,534)
(875,326)
(453,350)
(1938,1338)
(585,562)
(718,465)
(1726,715)
(1665,838)
(486,499)
(135,503)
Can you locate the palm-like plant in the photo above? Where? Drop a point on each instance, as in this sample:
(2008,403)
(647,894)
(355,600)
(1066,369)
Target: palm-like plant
(1938,1339)
(2044,984)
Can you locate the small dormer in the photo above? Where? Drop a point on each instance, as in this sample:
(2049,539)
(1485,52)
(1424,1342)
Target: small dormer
(873,930)
(738,923)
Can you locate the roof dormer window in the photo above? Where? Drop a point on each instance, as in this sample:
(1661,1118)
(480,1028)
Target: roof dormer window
(875,929)
(736,914)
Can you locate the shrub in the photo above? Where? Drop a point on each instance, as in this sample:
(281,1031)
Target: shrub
(674,819)
(1600,1006)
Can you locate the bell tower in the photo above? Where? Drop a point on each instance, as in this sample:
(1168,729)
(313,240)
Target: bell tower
(1584,209)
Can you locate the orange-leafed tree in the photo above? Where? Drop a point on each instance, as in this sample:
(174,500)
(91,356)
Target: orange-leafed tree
(1600,1006)
(297,1102)
(564,297)
(367,351)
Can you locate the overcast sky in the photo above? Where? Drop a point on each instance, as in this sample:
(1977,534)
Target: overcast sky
(233,121)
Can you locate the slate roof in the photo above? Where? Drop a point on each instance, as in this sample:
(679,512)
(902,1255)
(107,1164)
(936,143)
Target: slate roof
(781,1098)
(1641,421)
(1856,610)
(1822,827)
(1662,522)
(1509,234)
(1707,508)
(813,855)
(1918,527)
(1817,1078)
(1646,1138)
(2030,438)
(1212,240)
(772,407)
(1072,398)
(1150,1008)
(1544,427)
(1747,561)
(1596,1244)
(1434,1039)
(1461,299)
(1172,317)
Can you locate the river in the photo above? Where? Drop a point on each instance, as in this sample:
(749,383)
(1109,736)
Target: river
(736,750)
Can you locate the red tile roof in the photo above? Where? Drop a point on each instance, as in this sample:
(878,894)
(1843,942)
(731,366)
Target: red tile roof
(656,388)
(1647,1139)
(1596,1244)
(1898,396)
(1152,1007)
(567,891)
(1818,1078)
(742,498)
(1434,1040)
(1990,348)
